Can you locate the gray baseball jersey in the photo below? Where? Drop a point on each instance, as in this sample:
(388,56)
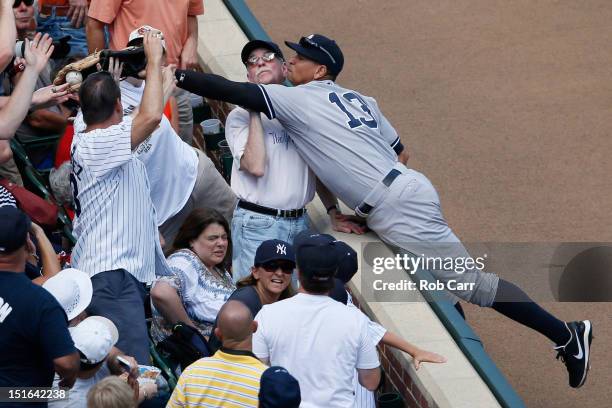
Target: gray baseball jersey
(341,134)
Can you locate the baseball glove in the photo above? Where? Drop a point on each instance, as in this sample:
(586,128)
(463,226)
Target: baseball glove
(83,67)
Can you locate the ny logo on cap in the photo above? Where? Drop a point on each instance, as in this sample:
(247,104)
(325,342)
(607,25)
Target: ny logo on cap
(281,249)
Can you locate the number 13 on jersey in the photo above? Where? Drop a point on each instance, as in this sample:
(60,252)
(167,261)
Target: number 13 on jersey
(354,100)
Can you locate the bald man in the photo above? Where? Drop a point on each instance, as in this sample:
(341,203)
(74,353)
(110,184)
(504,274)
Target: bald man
(231,376)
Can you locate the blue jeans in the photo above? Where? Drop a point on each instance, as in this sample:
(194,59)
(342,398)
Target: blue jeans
(250,229)
(58,27)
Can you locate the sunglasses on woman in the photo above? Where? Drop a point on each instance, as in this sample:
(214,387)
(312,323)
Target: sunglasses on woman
(26,2)
(273,266)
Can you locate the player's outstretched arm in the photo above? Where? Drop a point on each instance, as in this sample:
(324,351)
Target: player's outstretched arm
(418,356)
(216,87)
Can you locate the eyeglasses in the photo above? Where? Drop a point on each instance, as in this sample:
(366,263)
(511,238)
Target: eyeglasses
(305,42)
(18,2)
(273,266)
(267,57)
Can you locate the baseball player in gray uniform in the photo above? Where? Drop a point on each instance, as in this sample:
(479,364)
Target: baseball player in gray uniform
(345,139)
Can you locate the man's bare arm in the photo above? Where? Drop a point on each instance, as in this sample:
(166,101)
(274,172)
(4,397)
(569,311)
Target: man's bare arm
(151,108)
(8,33)
(189,53)
(37,54)
(95,34)
(253,159)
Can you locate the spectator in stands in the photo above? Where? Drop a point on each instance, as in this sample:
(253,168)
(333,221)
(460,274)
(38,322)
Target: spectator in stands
(269,207)
(320,341)
(8,34)
(60,18)
(43,262)
(14,109)
(199,283)
(176,19)
(269,281)
(111,392)
(94,338)
(34,336)
(41,122)
(167,159)
(117,239)
(279,389)
(73,290)
(6,155)
(232,375)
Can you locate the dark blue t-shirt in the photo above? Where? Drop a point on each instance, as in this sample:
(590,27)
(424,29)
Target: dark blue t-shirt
(33,332)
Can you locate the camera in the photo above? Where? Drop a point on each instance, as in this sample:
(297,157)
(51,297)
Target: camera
(61,48)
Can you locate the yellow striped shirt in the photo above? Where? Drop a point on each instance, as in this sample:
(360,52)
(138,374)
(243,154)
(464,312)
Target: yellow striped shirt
(230,378)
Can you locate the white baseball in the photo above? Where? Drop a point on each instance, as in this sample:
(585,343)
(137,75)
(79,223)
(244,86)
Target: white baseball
(74,77)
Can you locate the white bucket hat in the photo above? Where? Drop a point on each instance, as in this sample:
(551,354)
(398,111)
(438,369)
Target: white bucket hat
(94,337)
(72,289)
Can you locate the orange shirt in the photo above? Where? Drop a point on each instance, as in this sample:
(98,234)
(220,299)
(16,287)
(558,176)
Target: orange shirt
(63,3)
(169,16)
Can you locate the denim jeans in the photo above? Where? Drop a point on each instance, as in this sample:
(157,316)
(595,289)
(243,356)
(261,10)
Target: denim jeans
(58,27)
(250,229)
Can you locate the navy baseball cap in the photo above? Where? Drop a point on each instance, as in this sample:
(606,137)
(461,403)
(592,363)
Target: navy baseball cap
(339,293)
(274,250)
(320,49)
(14,227)
(254,44)
(347,261)
(316,255)
(279,389)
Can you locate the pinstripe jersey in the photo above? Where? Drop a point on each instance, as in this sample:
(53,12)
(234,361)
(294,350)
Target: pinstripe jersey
(115,219)
(229,378)
(6,198)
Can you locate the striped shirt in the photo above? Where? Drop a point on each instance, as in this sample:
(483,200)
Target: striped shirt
(230,378)
(6,198)
(115,219)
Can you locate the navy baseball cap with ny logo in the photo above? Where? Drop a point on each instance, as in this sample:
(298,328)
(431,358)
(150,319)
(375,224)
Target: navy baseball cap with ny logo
(274,250)
(318,48)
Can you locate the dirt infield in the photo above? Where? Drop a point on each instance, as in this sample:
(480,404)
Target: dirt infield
(505,106)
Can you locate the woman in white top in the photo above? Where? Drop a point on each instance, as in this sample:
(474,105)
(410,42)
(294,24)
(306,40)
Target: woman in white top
(199,283)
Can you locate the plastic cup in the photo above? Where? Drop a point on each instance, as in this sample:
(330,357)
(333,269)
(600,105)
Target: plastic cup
(211,126)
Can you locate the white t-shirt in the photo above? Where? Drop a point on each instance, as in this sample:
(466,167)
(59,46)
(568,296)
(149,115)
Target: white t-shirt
(172,165)
(320,342)
(287,183)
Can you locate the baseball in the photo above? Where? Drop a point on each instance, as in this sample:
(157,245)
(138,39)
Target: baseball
(74,77)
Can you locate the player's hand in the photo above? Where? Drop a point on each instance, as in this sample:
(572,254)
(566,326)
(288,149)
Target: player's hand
(424,356)
(344,223)
(153,46)
(51,95)
(77,13)
(38,51)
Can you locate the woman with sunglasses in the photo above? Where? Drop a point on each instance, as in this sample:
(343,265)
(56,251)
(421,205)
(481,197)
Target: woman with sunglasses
(269,281)
(199,283)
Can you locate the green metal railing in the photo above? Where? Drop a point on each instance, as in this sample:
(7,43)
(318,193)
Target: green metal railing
(462,333)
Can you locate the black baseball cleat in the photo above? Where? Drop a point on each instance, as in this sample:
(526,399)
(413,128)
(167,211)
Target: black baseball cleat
(576,352)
